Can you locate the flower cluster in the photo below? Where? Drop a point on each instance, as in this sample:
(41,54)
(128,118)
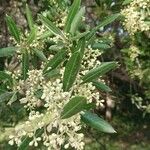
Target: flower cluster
(45,125)
(56,131)
(137,16)
(34,82)
(133,52)
(90,60)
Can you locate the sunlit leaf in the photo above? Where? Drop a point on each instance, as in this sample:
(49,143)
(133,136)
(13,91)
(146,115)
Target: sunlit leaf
(76,21)
(72,12)
(29,17)
(96,122)
(80,35)
(51,26)
(13,29)
(32,35)
(40,55)
(125,2)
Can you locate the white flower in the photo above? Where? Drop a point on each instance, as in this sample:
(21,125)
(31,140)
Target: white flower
(135,15)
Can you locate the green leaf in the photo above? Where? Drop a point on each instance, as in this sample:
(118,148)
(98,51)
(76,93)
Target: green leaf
(51,74)
(55,48)
(38,93)
(71,70)
(74,106)
(127,2)
(80,47)
(77,20)
(107,21)
(99,71)
(96,122)
(51,26)
(45,35)
(101,86)
(32,35)
(40,55)
(8,51)
(72,12)
(56,60)
(13,29)
(26,140)
(25,64)
(80,35)
(29,17)
(5,76)
(100,46)
(6,96)
(13,98)
(25,143)
(89,106)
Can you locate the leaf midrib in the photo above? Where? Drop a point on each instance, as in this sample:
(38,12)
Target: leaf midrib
(80,102)
(67,85)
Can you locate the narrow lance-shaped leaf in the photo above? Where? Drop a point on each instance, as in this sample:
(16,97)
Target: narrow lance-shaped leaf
(14,30)
(8,51)
(5,76)
(76,21)
(51,74)
(40,55)
(101,46)
(80,35)
(71,70)
(99,71)
(29,17)
(51,26)
(4,97)
(96,122)
(25,64)
(74,106)
(25,143)
(56,60)
(101,86)
(45,35)
(72,12)
(12,99)
(80,47)
(107,21)
(32,35)
(26,140)
(127,2)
